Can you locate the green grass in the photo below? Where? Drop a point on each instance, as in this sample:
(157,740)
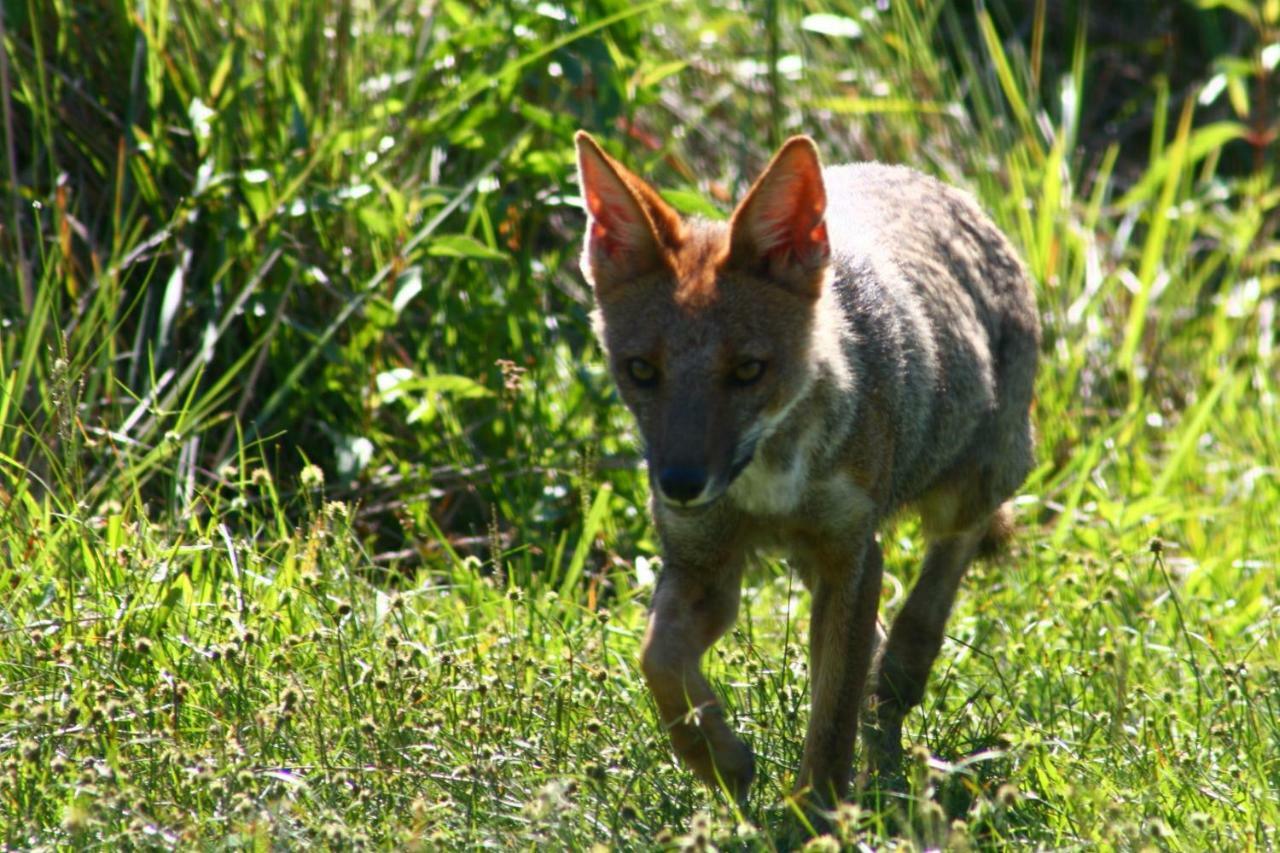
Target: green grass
(320,522)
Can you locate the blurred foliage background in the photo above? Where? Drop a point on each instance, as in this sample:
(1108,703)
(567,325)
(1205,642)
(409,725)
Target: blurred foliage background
(347,232)
(243,241)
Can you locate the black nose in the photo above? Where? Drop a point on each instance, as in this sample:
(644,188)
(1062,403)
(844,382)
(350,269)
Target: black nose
(682,484)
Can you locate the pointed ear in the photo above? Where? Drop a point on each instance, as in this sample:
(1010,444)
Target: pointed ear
(780,229)
(630,229)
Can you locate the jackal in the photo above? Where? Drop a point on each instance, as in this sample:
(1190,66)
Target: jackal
(854,340)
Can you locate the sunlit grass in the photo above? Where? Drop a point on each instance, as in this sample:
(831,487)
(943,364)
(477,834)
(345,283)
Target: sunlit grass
(319,522)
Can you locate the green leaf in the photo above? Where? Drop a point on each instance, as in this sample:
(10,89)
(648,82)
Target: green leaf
(879,106)
(408,285)
(658,73)
(464,246)
(1201,142)
(590,527)
(690,202)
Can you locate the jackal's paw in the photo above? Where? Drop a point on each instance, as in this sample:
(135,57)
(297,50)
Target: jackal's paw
(709,747)
(882,738)
(734,767)
(718,757)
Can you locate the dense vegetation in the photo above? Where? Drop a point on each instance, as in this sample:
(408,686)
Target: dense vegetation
(320,521)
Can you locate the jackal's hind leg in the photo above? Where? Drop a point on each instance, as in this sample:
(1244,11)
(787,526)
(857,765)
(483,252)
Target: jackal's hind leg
(914,641)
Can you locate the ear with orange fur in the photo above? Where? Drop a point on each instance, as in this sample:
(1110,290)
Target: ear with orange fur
(779,229)
(631,229)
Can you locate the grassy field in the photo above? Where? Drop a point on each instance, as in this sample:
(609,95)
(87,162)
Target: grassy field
(320,522)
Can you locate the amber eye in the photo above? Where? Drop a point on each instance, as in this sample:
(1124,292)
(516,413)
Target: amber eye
(643,373)
(748,372)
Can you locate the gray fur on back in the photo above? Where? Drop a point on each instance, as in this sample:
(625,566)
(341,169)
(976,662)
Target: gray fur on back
(940,325)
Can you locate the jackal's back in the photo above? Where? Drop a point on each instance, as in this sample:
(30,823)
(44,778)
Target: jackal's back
(942,326)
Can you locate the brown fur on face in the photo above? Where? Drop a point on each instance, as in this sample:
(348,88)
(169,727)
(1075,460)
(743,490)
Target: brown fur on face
(701,299)
(696,330)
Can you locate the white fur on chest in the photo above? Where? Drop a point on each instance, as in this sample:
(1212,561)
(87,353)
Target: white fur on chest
(762,489)
(801,486)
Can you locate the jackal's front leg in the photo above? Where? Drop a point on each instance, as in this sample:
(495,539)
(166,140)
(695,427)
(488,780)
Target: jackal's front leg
(690,612)
(846,594)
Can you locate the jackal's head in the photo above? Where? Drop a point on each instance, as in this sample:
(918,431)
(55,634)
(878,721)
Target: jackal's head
(708,326)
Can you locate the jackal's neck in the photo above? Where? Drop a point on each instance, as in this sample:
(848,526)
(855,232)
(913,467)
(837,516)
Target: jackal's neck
(827,347)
